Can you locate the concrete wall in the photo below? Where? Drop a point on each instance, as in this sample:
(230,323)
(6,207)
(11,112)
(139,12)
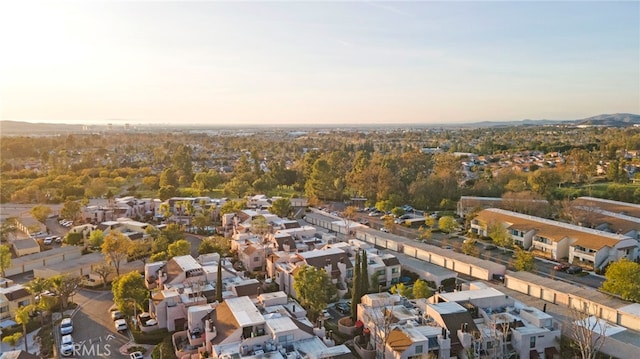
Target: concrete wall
(43,259)
(573,301)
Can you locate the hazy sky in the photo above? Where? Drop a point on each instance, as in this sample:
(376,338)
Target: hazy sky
(317,62)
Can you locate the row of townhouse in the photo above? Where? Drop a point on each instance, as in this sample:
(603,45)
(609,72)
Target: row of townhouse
(246,323)
(476,322)
(338,261)
(557,240)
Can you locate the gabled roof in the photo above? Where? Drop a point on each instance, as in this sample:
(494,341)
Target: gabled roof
(630,209)
(553,230)
(17,294)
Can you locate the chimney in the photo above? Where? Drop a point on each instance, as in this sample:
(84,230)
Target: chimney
(544,308)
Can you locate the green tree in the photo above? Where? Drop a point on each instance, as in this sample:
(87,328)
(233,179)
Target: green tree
(232,207)
(160,245)
(96,238)
(129,290)
(469,247)
(402,290)
(5,258)
(424,233)
(447,224)
(623,279)
(116,249)
(70,210)
(7,227)
(356,287)
(215,244)
(65,286)
(364,272)
(314,289)
(500,235)
(140,249)
(219,282)
(421,289)
(281,207)
(41,213)
(103,270)
(179,248)
(73,238)
(524,260)
(320,182)
(173,232)
(22,318)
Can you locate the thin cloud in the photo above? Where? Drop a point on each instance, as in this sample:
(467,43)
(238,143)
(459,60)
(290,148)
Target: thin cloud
(388,8)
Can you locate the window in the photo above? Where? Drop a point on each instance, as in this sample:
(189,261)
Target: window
(418,349)
(532,342)
(394,270)
(4,309)
(285,338)
(255,259)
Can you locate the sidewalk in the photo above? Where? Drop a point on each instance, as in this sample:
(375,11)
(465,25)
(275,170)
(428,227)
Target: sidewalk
(32,344)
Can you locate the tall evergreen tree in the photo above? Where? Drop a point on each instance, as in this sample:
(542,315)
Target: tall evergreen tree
(355,289)
(364,272)
(219,282)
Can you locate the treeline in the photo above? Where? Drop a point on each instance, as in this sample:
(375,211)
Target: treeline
(383,166)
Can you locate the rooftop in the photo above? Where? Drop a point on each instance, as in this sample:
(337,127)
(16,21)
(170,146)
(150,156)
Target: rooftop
(244,311)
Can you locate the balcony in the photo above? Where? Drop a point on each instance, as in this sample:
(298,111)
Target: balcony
(196,337)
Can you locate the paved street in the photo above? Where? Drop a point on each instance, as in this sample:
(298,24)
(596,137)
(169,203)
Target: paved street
(93,331)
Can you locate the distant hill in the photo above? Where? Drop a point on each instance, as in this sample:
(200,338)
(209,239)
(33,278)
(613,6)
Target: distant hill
(18,128)
(36,129)
(614,120)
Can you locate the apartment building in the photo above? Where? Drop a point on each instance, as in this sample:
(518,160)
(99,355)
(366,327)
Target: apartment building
(488,323)
(557,240)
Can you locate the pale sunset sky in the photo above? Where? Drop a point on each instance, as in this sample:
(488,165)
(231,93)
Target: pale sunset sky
(317,62)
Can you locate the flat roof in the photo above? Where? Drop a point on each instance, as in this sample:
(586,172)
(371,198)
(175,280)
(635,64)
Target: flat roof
(465,295)
(244,311)
(281,324)
(447,307)
(320,252)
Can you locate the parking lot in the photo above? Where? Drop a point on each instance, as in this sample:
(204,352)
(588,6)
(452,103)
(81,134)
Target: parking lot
(94,332)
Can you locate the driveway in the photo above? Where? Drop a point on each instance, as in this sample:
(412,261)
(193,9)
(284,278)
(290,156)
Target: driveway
(93,330)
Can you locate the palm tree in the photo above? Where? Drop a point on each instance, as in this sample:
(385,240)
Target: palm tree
(22,317)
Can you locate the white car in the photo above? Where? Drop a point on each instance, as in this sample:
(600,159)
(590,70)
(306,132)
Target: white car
(120,325)
(66,345)
(136,355)
(66,326)
(48,241)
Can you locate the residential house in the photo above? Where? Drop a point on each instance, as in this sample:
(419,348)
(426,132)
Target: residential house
(393,328)
(468,204)
(489,323)
(12,297)
(557,240)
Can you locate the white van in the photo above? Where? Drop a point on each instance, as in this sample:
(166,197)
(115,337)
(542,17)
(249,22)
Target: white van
(66,326)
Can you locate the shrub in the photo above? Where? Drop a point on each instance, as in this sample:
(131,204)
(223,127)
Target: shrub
(154,337)
(164,350)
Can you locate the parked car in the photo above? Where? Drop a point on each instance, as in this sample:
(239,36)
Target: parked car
(66,345)
(116,314)
(376,213)
(136,355)
(326,315)
(574,270)
(120,325)
(47,241)
(384,229)
(66,326)
(57,239)
(343,308)
(562,267)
